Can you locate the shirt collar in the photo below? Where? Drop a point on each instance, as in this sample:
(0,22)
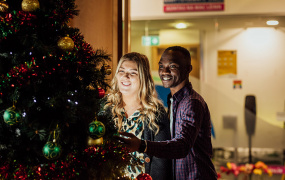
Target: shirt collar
(179,95)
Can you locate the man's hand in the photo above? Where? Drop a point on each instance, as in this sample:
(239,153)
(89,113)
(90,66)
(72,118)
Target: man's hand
(130,141)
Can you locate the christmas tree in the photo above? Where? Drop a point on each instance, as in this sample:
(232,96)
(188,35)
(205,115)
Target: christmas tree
(52,85)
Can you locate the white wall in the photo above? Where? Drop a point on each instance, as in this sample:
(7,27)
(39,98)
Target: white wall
(153,9)
(166,37)
(260,66)
(182,36)
(260,62)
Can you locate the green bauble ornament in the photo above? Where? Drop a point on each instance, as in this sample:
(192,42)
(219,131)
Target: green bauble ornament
(96,129)
(52,150)
(12,116)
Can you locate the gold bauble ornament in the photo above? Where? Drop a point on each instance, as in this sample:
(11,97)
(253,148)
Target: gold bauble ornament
(92,142)
(30,5)
(65,43)
(108,69)
(3,6)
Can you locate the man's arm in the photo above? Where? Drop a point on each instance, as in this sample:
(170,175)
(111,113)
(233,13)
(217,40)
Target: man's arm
(129,140)
(178,147)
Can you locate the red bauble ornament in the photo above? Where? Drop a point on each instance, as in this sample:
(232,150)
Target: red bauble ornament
(101,92)
(144,176)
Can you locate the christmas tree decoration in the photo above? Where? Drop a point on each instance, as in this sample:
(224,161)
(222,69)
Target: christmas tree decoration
(92,142)
(52,150)
(65,43)
(12,116)
(3,6)
(101,93)
(46,67)
(30,5)
(144,176)
(96,129)
(108,69)
(106,157)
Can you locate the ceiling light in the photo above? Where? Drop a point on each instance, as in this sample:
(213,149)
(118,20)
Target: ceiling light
(181,26)
(272,22)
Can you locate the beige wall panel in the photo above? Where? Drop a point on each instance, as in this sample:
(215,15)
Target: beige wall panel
(98,23)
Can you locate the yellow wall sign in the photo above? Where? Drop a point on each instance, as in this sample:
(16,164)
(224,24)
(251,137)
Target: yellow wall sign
(227,63)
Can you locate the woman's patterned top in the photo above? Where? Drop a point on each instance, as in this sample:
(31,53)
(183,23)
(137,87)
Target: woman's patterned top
(134,125)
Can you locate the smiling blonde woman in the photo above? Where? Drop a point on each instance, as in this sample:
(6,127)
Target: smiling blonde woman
(136,109)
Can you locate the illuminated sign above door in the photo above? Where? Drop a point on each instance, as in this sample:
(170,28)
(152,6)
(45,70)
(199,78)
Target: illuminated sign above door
(150,40)
(193,5)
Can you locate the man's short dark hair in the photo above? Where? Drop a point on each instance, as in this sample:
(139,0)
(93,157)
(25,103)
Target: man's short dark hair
(183,50)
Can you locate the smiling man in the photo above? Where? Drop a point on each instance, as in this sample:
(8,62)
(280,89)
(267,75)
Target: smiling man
(190,146)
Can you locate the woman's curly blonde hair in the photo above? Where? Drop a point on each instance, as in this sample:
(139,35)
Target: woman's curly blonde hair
(147,94)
